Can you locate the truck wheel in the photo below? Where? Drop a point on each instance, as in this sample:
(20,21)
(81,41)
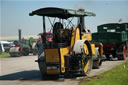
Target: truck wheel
(96,64)
(114,54)
(100,62)
(25,52)
(126,51)
(19,54)
(123,53)
(42,65)
(107,56)
(34,52)
(42,68)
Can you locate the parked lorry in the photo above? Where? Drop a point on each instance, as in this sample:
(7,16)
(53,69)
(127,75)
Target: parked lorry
(114,37)
(71,50)
(24,47)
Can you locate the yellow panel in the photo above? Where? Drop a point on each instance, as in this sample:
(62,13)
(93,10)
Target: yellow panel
(87,36)
(75,36)
(63,51)
(53,72)
(93,49)
(52,55)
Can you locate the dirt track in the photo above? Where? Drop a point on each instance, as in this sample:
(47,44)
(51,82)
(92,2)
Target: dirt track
(24,71)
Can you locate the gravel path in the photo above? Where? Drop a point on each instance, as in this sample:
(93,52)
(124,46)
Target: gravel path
(24,71)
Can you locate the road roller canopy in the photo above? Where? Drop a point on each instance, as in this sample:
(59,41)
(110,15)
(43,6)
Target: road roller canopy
(60,13)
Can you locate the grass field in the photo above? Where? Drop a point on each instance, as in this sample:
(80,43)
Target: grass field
(3,55)
(115,76)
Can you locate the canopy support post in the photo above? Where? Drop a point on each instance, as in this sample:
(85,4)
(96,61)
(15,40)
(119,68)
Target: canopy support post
(44,31)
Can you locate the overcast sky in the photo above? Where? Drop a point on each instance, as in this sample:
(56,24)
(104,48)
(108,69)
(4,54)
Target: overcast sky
(14,14)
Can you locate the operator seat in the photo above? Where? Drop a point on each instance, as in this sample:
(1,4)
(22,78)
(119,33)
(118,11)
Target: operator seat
(57,25)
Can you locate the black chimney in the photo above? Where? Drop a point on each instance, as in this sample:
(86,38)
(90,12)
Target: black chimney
(81,21)
(19,31)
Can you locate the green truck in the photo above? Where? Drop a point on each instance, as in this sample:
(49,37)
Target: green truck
(114,37)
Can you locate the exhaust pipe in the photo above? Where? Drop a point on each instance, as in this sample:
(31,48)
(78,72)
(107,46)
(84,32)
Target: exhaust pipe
(81,24)
(19,32)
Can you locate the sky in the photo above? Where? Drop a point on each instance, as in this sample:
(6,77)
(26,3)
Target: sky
(14,14)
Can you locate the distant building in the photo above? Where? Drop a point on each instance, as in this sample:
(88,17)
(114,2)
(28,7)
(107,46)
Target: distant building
(12,38)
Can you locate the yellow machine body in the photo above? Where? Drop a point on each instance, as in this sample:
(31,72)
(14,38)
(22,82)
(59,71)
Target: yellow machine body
(57,55)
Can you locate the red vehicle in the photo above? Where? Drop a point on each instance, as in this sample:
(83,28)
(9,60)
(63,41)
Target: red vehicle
(49,36)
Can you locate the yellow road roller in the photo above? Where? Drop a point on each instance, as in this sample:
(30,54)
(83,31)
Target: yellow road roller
(71,50)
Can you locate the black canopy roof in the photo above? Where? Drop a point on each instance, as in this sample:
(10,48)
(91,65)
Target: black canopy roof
(60,12)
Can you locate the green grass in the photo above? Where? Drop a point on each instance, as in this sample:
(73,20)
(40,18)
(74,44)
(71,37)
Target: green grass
(3,55)
(115,76)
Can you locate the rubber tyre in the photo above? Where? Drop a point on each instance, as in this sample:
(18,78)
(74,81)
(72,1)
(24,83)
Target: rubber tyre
(34,52)
(100,62)
(114,54)
(96,64)
(42,66)
(25,52)
(19,54)
(107,56)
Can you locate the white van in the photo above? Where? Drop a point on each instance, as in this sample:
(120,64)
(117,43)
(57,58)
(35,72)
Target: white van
(5,46)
